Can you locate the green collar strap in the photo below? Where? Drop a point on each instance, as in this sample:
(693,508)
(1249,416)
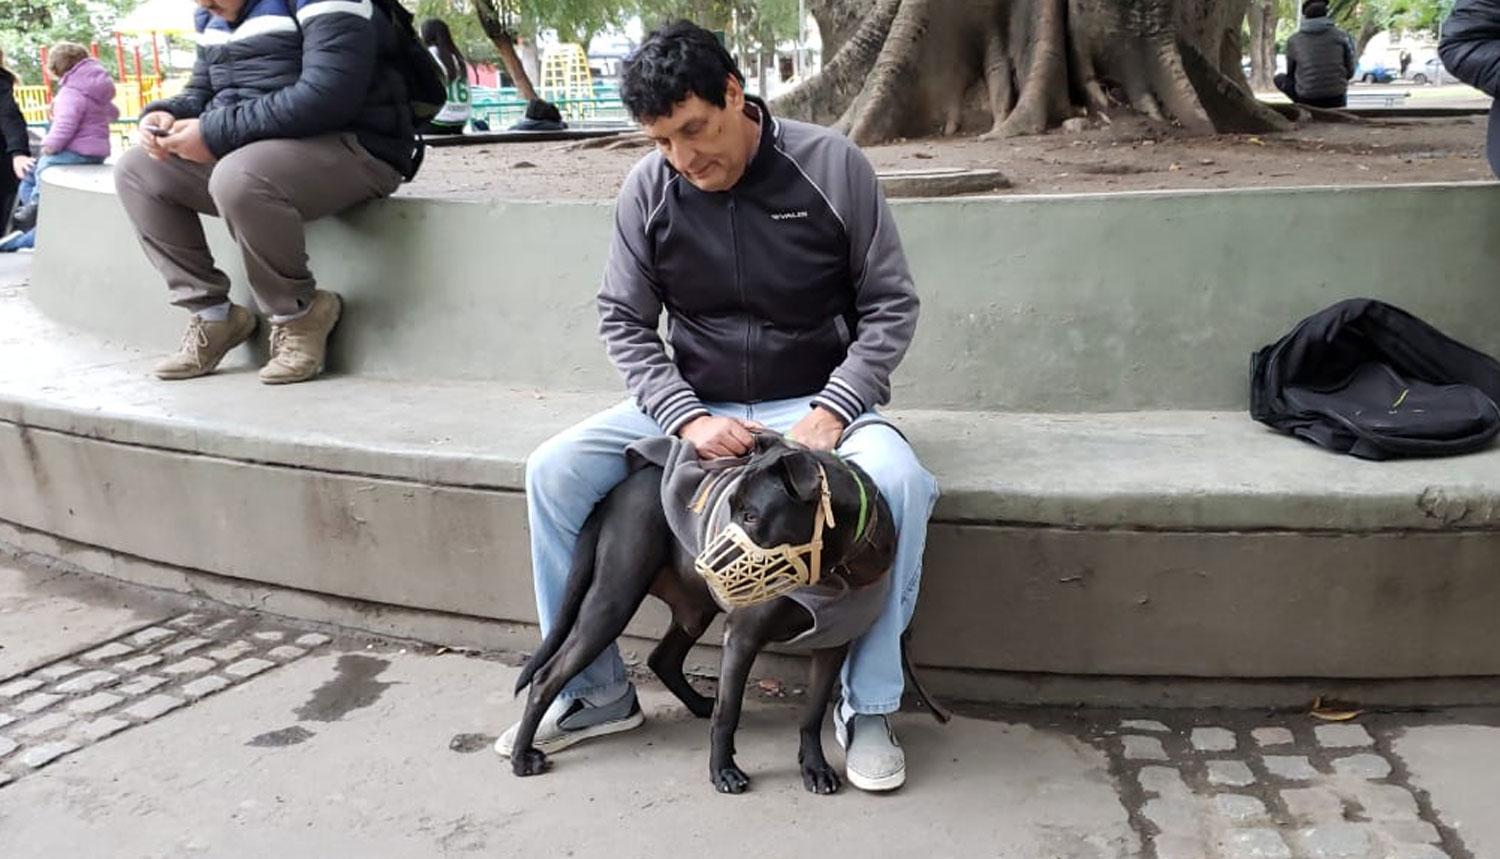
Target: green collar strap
(864,500)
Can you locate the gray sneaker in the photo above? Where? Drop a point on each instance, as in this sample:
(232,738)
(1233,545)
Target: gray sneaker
(873,759)
(569,722)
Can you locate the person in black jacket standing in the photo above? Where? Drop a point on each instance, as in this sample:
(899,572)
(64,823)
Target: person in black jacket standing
(1470,49)
(295,110)
(17,143)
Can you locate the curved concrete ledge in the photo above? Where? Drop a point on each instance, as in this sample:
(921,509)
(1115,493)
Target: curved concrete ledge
(1078,389)
(1167,544)
(1078,303)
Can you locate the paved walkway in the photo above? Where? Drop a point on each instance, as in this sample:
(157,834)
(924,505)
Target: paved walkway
(137,724)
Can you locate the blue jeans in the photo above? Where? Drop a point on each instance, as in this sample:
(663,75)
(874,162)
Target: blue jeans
(573,470)
(31,184)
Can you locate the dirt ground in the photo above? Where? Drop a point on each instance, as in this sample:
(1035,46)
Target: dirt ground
(1125,157)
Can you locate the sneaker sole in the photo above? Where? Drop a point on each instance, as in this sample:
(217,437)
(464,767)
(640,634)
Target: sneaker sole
(562,741)
(876,785)
(240,340)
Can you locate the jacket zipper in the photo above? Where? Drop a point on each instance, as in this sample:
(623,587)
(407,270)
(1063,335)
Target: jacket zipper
(739,287)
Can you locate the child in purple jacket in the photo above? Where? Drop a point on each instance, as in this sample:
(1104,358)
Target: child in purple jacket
(79,134)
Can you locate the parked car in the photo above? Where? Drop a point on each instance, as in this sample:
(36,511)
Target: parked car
(1431,72)
(1374,74)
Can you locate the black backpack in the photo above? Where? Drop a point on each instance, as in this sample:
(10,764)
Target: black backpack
(1369,379)
(425,86)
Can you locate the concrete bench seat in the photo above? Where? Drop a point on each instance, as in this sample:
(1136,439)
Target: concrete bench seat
(1077,386)
(410,493)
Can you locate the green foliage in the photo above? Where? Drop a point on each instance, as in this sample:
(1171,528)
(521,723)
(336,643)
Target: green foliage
(748,22)
(28,25)
(1412,16)
(461,20)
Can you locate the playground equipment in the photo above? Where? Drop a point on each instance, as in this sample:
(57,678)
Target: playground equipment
(156,20)
(566,81)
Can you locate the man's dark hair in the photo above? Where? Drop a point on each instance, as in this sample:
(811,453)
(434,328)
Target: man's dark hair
(676,61)
(1315,9)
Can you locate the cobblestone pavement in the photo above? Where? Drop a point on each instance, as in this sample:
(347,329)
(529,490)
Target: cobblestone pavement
(1242,786)
(87,697)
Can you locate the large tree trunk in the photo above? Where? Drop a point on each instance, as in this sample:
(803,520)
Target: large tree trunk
(1367,31)
(496,27)
(1264,15)
(910,68)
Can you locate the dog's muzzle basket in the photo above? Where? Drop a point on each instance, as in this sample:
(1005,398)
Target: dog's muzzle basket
(742,573)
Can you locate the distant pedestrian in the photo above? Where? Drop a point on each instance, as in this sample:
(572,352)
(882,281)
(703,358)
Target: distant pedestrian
(1405,62)
(459,106)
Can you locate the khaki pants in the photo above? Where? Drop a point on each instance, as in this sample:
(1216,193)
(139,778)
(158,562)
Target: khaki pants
(265,192)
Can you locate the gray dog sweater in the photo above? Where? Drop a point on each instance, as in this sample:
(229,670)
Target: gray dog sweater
(695,496)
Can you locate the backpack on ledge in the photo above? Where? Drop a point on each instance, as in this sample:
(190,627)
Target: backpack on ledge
(1369,379)
(426,87)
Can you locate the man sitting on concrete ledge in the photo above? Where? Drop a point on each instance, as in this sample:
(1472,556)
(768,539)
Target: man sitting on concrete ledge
(295,110)
(771,247)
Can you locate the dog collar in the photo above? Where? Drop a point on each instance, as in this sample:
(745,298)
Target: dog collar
(864,500)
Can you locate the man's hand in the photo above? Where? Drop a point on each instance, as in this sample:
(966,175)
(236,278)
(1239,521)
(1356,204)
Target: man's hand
(22,163)
(186,142)
(148,139)
(719,437)
(819,429)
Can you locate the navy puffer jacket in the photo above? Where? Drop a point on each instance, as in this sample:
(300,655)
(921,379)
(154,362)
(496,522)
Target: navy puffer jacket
(299,68)
(1470,49)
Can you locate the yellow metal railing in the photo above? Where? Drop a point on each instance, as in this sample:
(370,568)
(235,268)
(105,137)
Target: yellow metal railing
(130,97)
(33,101)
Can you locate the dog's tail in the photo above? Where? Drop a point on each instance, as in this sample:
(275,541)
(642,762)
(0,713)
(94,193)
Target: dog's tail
(580,579)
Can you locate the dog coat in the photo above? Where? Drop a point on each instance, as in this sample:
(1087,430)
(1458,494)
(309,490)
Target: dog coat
(695,497)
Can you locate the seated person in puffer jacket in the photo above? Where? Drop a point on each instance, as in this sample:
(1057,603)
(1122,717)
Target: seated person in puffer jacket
(296,110)
(1470,49)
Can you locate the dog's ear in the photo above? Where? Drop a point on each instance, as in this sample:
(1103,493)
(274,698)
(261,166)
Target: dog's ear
(766,442)
(799,471)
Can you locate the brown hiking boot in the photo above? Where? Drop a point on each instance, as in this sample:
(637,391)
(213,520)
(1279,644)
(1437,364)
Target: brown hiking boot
(205,344)
(298,347)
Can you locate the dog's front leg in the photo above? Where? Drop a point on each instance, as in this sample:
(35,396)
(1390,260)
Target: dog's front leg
(744,635)
(817,775)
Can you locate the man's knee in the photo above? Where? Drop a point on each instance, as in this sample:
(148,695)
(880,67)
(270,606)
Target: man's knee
(135,172)
(235,185)
(552,469)
(894,467)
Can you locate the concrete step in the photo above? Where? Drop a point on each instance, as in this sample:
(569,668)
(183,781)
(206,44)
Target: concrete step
(1149,470)
(1070,303)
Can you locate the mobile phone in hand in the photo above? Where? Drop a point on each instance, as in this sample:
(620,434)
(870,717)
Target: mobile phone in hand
(156,130)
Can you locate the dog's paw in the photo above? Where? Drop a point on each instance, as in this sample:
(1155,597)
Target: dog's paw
(731,779)
(702,706)
(820,779)
(528,762)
